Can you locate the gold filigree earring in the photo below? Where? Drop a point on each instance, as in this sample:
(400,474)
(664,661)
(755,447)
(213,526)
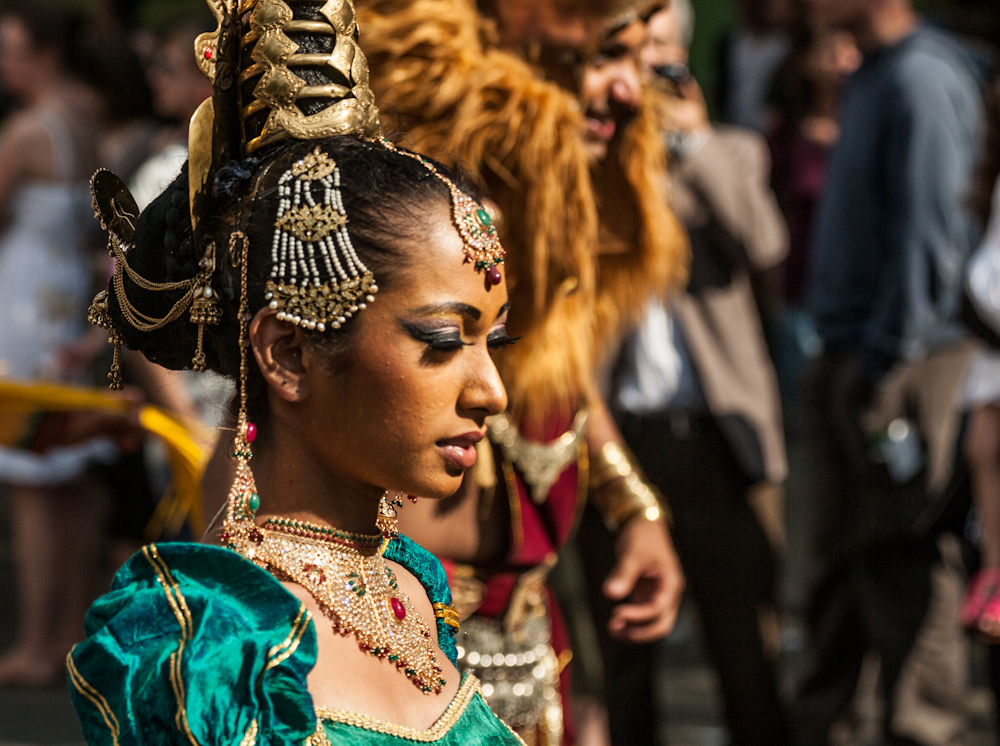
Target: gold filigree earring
(388,521)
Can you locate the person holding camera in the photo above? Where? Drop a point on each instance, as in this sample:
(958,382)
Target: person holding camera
(696,392)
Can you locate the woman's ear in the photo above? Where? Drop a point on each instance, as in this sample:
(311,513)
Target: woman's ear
(278,347)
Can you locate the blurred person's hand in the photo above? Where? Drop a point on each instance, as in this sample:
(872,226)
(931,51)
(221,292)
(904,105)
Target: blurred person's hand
(647,579)
(74,357)
(122,428)
(666,41)
(688,111)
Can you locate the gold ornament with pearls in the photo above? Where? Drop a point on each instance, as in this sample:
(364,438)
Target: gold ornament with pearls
(317,279)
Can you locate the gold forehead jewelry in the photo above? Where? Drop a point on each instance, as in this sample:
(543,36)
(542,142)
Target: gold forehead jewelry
(317,279)
(474,224)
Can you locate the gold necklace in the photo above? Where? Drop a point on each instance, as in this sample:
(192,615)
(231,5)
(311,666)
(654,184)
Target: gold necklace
(357,591)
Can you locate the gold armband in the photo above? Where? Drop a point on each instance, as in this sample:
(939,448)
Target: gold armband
(621,491)
(446,614)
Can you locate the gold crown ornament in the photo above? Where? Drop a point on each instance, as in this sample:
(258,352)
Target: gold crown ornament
(279,70)
(273,74)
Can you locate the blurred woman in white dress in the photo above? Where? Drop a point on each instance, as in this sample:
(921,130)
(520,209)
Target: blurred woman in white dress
(46,156)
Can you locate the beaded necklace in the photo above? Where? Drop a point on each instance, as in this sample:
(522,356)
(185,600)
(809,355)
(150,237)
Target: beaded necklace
(356,589)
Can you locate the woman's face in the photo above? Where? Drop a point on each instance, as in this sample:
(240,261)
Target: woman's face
(406,411)
(17,57)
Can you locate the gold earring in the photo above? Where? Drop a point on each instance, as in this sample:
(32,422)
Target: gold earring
(387,521)
(239,529)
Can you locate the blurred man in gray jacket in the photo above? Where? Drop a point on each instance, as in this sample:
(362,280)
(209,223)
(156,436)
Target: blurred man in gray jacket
(893,236)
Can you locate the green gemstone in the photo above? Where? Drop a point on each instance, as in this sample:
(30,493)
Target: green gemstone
(484,217)
(393,658)
(254,502)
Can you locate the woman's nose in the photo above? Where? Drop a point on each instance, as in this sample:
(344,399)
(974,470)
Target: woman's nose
(485,391)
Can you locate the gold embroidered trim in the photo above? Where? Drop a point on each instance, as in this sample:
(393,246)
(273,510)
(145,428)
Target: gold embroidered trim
(94,696)
(250,738)
(513,733)
(318,738)
(280,653)
(468,690)
(540,464)
(183,615)
(446,614)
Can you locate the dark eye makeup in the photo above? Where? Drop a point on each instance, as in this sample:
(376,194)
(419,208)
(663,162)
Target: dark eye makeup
(498,339)
(436,339)
(451,339)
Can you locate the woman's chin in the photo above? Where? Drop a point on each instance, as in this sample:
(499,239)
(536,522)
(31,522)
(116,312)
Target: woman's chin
(442,486)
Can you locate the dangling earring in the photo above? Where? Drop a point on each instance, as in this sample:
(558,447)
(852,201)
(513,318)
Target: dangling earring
(205,308)
(98,315)
(412,499)
(239,529)
(387,521)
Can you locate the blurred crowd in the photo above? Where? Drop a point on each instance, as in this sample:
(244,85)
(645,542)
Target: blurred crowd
(834,355)
(78,95)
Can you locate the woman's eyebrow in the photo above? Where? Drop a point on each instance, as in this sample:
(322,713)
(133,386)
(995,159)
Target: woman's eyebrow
(453,307)
(503,309)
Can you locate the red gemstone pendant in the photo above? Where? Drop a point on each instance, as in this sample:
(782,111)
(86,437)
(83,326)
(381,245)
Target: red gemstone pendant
(493,276)
(397,608)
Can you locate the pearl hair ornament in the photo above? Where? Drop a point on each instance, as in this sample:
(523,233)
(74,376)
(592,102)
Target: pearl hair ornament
(317,280)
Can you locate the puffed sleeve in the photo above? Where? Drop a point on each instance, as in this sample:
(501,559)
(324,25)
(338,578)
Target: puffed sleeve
(194,646)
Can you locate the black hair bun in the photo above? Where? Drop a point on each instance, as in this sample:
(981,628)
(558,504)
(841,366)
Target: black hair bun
(163,252)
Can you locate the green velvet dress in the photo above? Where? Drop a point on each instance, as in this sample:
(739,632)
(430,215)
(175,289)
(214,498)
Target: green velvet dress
(197,646)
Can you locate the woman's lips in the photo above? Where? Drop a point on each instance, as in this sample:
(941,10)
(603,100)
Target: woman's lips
(461,451)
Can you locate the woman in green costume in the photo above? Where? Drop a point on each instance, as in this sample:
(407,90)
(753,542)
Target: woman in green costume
(355,293)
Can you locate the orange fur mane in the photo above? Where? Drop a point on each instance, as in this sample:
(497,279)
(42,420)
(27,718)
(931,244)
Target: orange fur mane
(486,111)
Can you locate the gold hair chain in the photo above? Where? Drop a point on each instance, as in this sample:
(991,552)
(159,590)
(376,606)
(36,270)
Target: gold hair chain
(480,239)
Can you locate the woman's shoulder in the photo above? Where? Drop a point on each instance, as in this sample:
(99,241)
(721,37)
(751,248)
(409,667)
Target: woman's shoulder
(193,579)
(194,642)
(428,570)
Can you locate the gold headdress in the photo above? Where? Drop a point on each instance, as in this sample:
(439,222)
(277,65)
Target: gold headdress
(272,74)
(317,277)
(261,94)
(280,69)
